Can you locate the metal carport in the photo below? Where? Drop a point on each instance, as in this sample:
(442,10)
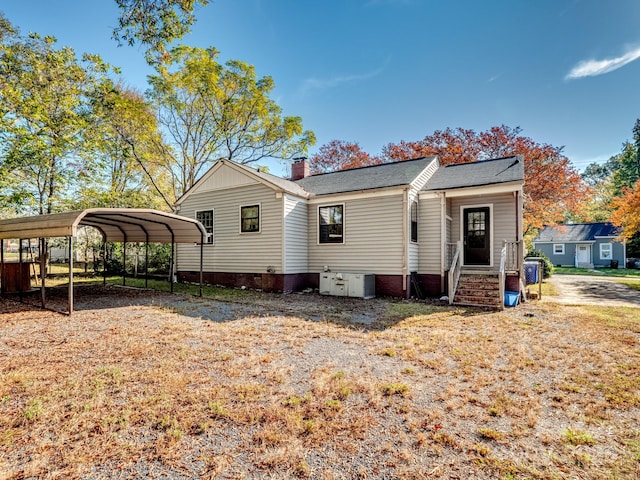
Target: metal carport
(115,224)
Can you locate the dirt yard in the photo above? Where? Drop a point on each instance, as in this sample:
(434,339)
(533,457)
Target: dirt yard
(151,385)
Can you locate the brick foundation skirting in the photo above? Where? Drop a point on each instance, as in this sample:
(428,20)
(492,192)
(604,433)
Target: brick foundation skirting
(386,285)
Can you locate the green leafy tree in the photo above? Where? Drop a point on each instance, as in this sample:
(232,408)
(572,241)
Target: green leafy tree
(154,24)
(209,110)
(44,116)
(624,168)
(597,208)
(126,143)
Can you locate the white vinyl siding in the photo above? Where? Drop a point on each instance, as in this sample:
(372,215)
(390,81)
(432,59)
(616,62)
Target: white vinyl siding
(503,214)
(414,247)
(429,228)
(233,251)
(296,237)
(372,237)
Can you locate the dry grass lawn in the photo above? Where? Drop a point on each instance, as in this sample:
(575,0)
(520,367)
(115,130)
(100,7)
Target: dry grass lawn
(150,385)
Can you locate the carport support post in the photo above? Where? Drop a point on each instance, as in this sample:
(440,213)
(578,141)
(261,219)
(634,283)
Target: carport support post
(20,267)
(2,267)
(43,267)
(146,262)
(124,262)
(104,260)
(172,268)
(70,298)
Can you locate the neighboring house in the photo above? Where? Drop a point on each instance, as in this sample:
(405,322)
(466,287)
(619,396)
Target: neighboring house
(389,220)
(583,245)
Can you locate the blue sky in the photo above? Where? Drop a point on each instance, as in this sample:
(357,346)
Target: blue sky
(380,71)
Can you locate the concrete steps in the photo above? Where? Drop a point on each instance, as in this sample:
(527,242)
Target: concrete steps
(478,290)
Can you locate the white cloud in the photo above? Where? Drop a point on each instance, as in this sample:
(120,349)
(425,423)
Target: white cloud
(310,84)
(592,68)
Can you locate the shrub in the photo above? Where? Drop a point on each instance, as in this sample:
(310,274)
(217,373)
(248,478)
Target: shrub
(548,266)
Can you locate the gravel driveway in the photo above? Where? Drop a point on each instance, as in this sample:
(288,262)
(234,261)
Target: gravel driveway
(593,290)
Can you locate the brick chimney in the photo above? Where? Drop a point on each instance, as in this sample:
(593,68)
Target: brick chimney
(300,168)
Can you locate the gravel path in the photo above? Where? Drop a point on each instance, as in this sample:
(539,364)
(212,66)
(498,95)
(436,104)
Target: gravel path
(593,290)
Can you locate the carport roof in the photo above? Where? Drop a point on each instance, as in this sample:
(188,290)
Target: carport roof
(116,225)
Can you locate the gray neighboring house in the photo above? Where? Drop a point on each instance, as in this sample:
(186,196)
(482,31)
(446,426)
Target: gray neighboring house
(400,221)
(582,245)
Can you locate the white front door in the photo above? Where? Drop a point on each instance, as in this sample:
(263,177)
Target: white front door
(583,254)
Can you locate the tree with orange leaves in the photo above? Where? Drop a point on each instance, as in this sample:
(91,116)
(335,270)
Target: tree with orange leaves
(340,155)
(627,211)
(552,185)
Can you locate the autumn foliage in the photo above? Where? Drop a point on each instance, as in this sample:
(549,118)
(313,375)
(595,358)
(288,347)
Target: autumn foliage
(627,211)
(552,186)
(340,155)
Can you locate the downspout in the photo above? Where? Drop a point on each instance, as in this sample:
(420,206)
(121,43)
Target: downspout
(517,194)
(405,240)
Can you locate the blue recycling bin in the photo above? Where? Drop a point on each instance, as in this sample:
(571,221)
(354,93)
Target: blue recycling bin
(531,272)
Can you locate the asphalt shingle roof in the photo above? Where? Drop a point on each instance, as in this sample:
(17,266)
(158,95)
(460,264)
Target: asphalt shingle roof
(578,232)
(365,178)
(475,174)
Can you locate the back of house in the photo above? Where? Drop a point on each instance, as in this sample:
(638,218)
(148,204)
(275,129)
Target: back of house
(384,222)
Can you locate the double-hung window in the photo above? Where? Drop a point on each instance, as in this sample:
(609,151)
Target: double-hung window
(250,219)
(331,224)
(205,217)
(605,251)
(558,248)
(414,222)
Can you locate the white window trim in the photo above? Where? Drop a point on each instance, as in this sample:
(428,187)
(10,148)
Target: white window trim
(213,224)
(558,245)
(259,205)
(610,247)
(491,229)
(344,223)
(417,240)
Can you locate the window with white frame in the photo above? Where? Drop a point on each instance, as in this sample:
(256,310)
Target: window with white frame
(331,224)
(605,251)
(205,217)
(558,248)
(250,219)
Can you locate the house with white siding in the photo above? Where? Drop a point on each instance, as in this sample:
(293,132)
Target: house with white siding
(416,226)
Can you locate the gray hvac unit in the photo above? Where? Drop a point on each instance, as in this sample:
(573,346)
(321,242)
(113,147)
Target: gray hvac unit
(361,285)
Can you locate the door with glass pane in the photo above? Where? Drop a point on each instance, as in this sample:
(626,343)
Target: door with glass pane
(476,236)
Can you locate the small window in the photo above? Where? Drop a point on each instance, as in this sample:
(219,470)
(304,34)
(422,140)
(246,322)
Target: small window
(558,248)
(605,251)
(331,224)
(414,222)
(205,217)
(250,219)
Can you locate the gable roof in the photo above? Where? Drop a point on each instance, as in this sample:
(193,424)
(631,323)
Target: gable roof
(480,173)
(578,232)
(383,175)
(277,183)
